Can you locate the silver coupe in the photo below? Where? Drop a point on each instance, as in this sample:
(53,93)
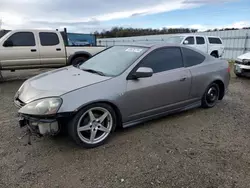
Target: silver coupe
(121,86)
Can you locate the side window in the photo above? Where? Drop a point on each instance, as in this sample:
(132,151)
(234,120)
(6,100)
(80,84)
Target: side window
(22,39)
(192,58)
(200,40)
(214,40)
(48,39)
(190,40)
(163,59)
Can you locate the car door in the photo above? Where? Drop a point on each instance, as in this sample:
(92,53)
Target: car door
(52,52)
(20,51)
(193,61)
(169,85)
(201,44)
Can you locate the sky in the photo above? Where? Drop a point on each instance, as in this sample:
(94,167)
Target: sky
(87,16)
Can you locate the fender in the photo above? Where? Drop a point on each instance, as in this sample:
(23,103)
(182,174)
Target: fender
(80,53)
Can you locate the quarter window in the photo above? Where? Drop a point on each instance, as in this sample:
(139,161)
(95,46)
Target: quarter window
(191,57)
(200,40)
(163,59)
(48,39)
(213,40)
(22,39)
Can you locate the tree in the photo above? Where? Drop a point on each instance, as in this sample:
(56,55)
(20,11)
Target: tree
(128,32)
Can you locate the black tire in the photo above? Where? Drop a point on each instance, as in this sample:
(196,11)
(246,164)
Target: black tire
(214,54)
(73,125)
(210,97)
(79,60)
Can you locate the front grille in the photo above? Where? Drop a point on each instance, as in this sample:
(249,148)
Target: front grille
(242,63)
(246,70)
(238,62)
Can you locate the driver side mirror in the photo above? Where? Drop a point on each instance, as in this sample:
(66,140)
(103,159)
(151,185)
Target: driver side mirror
(185,42)
(143,72)
(8,43)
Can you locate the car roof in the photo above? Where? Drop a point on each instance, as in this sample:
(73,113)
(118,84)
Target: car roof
(151,45)
(34,30)
(160,45)
(193,35)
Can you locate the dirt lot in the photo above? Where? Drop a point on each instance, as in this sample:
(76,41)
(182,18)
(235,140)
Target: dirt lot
(198,148)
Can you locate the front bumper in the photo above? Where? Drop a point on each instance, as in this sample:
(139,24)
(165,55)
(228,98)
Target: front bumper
(242,69)
(42,126)
(39,126)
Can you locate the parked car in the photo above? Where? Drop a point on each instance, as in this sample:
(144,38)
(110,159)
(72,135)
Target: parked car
(27,49)
(209,44)
(122,86)
(242,65)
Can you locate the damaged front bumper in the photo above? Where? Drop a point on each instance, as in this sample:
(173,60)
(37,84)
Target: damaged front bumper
(45,124)
(242,69)
(40,126)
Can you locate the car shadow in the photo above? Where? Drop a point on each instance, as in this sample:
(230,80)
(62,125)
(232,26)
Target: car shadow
(64,142)
(154,122)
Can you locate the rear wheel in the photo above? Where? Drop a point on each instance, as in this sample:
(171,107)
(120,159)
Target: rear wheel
(211,96)
(79,60)
(93,125)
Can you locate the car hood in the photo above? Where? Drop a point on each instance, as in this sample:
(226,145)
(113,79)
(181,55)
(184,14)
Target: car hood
(56,83)
(244,56)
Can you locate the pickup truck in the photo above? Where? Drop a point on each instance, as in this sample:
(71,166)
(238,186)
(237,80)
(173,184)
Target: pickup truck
(209,44)
(28,49)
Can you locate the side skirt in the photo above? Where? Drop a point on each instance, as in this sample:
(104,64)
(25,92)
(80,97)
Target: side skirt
(156,116)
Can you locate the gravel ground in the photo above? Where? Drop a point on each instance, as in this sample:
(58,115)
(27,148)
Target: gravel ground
(198,148)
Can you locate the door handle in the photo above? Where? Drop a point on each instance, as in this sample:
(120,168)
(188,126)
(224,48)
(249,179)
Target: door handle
(183,79)
(33,50)
(58,49)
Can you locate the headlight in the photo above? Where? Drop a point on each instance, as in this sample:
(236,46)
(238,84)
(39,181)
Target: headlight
(47,106)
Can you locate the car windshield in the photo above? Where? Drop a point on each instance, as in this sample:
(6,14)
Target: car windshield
(175,39)
(113,61)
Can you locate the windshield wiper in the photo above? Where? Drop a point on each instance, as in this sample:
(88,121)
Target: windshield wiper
(94,71)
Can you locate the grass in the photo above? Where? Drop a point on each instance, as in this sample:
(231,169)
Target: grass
(231,64)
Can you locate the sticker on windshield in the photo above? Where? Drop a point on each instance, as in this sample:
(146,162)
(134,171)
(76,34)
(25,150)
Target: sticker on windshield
(136,50)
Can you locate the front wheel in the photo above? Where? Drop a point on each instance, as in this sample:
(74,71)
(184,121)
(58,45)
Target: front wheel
(93,125)
(211,96)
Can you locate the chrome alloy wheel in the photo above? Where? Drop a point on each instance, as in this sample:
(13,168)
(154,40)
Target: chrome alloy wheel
(95,125)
